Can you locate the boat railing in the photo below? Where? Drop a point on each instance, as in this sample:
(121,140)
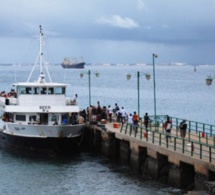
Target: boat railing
(70,101)
(8,101)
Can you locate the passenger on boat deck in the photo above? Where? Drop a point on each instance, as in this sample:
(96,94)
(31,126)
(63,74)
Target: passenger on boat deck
(65,121)
(5,118)
(3,94)
(75,99)
(13,93)
(80,120)
(55,123)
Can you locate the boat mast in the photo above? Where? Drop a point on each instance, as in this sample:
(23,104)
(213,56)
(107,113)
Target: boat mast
(41,78)
(41,52)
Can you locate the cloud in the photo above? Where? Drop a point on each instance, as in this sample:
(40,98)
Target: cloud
(140,4)
(187,25)
(118,21)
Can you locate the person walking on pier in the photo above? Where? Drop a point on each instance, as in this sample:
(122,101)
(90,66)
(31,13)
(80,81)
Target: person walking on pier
(168,126)
(183,128)
(146,121)
(116,108)
(94,113)
(123,114)
(110,113)
(135,121)
(130,121)
(90,113)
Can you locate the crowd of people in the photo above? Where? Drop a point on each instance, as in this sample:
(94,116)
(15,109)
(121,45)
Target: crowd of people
(12,93)
(168,126)
(97,113)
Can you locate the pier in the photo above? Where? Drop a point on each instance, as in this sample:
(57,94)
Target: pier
(187,163)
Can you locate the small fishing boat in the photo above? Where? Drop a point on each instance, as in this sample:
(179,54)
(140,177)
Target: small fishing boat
(73,63)
(38,116)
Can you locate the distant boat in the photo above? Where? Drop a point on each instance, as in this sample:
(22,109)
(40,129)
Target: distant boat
(73,63)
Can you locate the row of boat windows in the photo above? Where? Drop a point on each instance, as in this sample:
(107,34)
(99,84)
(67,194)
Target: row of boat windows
(41,90)
(31,118)
(54,117)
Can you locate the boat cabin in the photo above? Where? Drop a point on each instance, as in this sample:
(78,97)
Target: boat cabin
(39,103)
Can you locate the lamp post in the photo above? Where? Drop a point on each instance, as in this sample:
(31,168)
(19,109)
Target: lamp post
(153,60)
(89,82)
(147,76)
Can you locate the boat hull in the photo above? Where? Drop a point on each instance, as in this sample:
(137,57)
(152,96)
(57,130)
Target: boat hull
(75,65)
(50,145)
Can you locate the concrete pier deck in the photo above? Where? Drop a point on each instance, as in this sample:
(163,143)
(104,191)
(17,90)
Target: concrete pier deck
(192,145)
(186,162)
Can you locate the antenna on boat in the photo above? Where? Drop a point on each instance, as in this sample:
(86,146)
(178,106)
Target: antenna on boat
(41,52)
(40,57)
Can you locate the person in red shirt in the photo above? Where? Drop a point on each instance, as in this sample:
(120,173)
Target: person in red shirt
(135,121)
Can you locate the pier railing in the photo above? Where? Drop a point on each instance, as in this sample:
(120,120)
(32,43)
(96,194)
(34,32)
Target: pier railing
(198,143)
(204,132)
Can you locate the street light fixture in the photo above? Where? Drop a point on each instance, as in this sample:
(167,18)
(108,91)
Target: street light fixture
(147,76)
(153,60)
(89,82)
(209,80)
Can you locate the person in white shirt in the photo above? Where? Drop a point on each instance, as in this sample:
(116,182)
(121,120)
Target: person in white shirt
(130,121)
(123,114)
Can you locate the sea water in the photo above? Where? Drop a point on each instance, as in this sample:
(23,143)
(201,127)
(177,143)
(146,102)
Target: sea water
(180,92)
(82,174)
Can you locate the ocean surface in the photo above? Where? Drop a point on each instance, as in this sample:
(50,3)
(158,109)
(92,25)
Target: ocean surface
(82,174)
(180,91)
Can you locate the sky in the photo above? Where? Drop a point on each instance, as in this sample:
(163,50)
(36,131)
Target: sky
(109,31)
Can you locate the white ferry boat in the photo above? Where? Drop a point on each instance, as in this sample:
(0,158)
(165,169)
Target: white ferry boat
(37,116)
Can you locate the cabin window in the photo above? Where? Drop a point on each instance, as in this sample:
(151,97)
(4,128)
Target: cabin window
(54,117)
(36,90)
(28,90)
(32,118)
(1,113)
(50,90)
(22,90)
(43,90)
(65,119)
(60,90)
(20,117)
(10,116)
